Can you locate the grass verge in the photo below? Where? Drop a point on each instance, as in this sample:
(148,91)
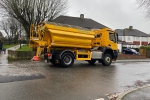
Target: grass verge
(24,48)
(9,46)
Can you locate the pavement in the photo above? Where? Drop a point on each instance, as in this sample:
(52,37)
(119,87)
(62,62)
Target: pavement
(139,93)
(132,60)
(3,56)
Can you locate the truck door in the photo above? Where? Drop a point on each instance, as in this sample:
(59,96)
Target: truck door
(113,41)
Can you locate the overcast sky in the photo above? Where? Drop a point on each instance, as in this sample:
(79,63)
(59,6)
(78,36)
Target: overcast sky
(116,14)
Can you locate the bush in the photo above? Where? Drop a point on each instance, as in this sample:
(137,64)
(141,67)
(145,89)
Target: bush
(145,47)
(148,48)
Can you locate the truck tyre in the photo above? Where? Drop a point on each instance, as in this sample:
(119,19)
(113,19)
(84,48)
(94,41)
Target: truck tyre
(92,61)
(107,60)
(66,60)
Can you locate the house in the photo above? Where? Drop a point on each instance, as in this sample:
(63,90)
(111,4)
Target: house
(132,37)
(79,21)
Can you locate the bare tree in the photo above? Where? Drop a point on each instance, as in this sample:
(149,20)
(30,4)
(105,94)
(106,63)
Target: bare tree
(1,35)
(29,12)
(145,6)
(11,28)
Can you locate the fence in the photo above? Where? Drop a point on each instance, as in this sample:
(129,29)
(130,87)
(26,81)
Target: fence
(145,52)
(130,56)
(148,53)
(20,54)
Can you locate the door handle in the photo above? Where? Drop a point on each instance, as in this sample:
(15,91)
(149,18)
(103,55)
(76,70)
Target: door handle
(109,45)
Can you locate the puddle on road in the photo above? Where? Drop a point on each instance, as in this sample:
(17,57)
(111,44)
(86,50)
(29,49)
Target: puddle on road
(13,73)
(7,78)
(139,83)
(4,65)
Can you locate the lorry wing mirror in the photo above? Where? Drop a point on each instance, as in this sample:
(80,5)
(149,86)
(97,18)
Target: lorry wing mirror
(117,37)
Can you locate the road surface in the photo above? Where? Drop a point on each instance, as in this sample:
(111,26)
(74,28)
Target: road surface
(30,80)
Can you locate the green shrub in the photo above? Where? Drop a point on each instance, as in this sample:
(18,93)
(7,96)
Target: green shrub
(148,48)
(145,47)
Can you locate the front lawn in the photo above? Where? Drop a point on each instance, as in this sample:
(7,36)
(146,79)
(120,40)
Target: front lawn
(9,46)
(24,48)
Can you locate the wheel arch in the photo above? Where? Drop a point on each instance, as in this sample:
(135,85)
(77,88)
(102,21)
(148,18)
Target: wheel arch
(66,51)
(107,51)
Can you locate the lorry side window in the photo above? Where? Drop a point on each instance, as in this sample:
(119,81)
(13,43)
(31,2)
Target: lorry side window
(112,37)
(98,35)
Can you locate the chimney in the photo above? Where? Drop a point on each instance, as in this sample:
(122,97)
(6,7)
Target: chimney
(81,16)
(130,27)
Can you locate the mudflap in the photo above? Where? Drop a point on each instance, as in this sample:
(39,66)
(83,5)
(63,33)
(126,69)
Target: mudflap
(46,58)
(115,55)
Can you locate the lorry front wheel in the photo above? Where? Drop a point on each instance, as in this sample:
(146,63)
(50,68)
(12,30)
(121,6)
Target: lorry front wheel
(92,61)
(107,60)
(67,60)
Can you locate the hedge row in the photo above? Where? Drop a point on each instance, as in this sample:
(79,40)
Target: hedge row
(145,47)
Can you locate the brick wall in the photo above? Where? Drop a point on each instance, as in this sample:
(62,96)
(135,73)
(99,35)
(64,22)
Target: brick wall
(129,56)
(20,54)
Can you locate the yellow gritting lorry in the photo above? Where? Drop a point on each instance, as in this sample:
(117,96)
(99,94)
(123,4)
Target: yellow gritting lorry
(62,44)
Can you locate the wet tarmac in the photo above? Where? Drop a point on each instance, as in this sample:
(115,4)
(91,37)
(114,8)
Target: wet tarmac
(30,80)
(80,82)
(140,94)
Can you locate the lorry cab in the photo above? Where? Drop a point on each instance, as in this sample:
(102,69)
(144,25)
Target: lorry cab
(105,38)
(106,41)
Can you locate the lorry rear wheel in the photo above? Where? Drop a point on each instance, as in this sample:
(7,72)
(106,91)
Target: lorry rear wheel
(107,60)
(67,60)
(92,61)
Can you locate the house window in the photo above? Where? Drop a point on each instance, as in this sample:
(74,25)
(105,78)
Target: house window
(128,38)
(120,38)
(144,39)
(134,38)
(137,38)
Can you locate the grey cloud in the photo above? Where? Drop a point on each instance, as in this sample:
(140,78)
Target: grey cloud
(117,14)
